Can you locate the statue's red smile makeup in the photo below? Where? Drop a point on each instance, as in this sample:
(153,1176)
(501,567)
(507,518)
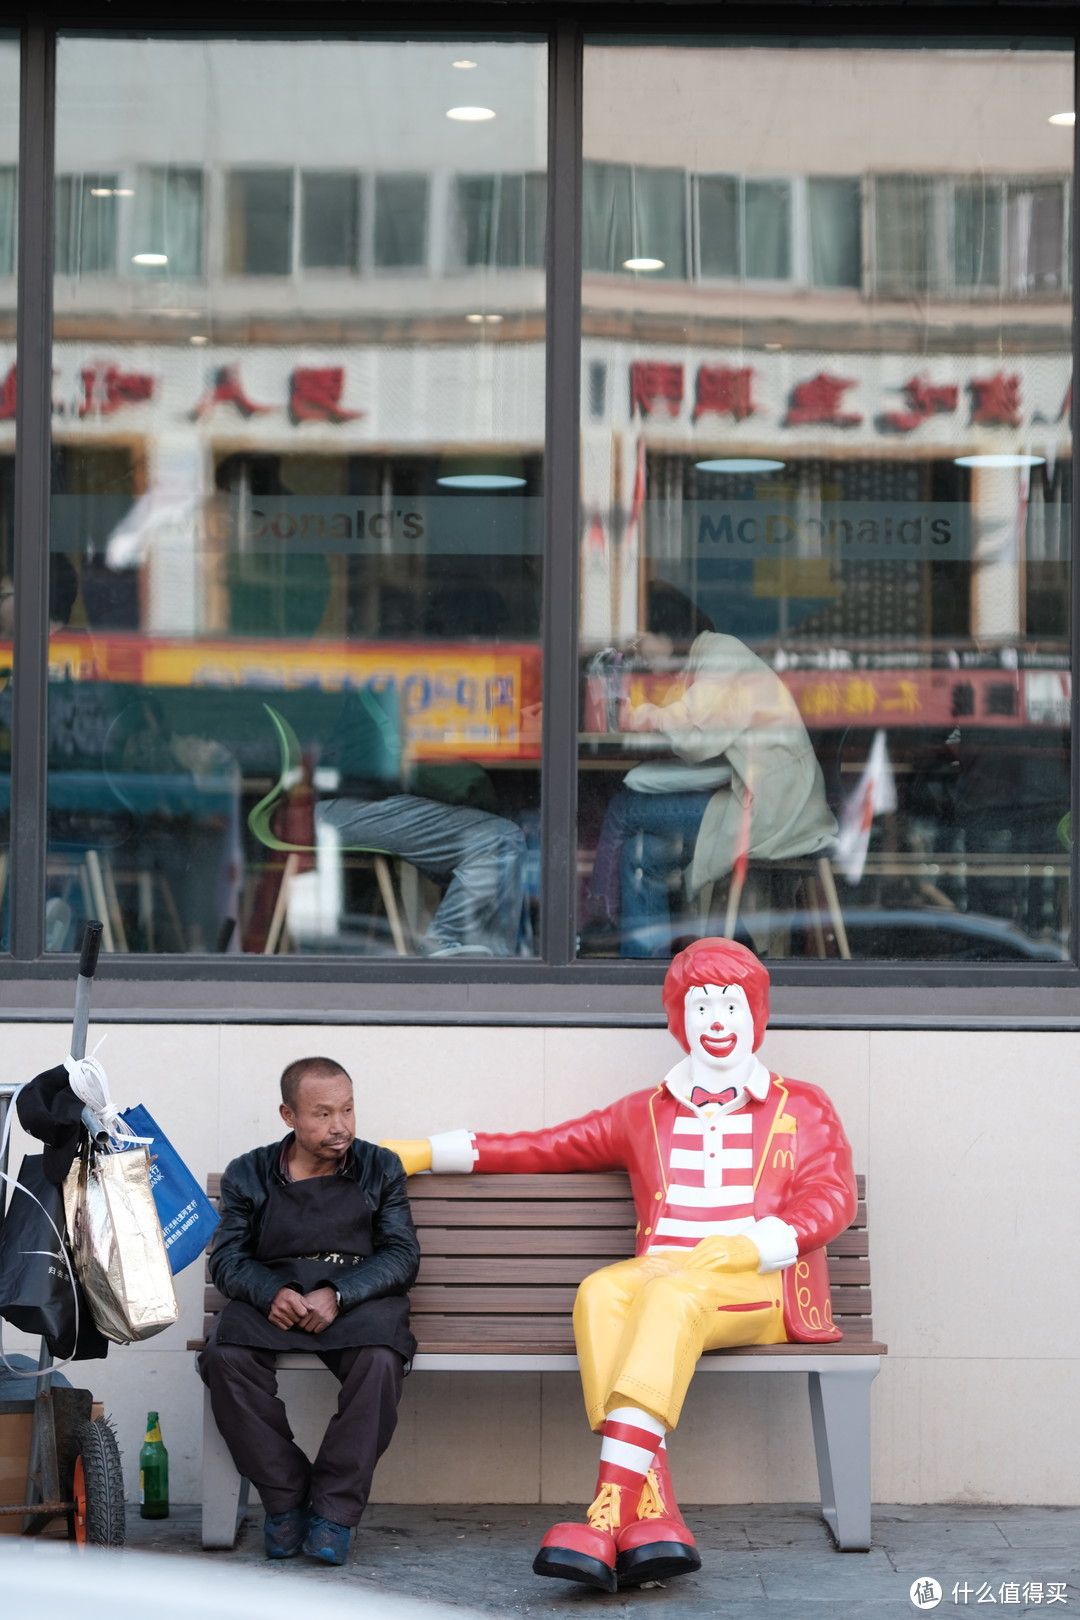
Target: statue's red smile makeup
(720,1046)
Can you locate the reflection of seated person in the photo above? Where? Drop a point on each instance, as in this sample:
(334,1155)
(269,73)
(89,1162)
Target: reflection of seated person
(478,855)
(183,789)
(745,778)
(63,589)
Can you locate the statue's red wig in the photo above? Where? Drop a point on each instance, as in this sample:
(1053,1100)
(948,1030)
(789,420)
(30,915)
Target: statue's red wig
(722,962)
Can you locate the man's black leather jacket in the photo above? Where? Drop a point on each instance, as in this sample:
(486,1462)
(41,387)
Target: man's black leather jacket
(245,1188)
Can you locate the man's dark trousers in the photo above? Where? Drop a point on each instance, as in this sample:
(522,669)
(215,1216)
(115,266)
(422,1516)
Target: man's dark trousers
(252,1420)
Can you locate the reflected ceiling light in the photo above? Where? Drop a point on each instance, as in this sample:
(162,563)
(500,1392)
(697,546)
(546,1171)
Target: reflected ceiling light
(738,464)
(111,191)
(197,337)
(773,345)
(470,115)
(484,320)
(643,264)
(149,258)
(1000,460)
(1068,119)
(464,63)
(480,481)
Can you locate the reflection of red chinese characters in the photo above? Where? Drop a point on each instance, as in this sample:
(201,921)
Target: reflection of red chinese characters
(315,395)
(818,402)
(725,390)
(995,401)
(653,382)
(106,389)
(227,389)
(8,393)
(906,699)
(924,399)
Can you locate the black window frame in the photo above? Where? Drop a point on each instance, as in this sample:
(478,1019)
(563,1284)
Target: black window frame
(554,988)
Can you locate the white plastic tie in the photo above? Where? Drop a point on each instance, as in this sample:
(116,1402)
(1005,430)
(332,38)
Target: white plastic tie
(89,1082)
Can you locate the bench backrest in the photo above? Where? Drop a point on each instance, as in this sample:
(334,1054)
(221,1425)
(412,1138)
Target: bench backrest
(501,1258)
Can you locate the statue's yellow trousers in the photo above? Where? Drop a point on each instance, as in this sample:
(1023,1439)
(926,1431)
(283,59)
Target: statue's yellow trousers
(640,1325)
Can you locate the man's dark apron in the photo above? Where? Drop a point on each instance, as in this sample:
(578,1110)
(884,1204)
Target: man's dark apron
(311,1232)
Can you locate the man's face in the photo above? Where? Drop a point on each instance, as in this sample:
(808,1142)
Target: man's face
(719,1025)
(323,1119)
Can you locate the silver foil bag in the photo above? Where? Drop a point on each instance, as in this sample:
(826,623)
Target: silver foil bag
(117,1245)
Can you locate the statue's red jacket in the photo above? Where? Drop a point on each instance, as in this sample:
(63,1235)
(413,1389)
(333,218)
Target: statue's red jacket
(802,1173)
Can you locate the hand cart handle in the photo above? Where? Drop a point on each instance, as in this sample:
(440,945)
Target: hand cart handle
(90,946)
(87,969)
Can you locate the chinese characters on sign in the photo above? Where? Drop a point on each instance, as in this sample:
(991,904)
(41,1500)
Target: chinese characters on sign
(315,395)
(731,392)
(725,390)
(653,383)
(660,391)
(817,403)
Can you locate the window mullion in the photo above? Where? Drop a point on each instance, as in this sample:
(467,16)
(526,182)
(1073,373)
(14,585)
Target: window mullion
(33,428)
(562,521)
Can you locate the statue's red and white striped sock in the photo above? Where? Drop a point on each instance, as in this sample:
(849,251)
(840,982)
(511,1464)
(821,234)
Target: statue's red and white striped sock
(630,1440)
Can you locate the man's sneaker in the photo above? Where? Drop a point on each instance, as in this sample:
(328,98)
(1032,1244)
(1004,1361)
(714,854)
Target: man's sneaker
(458,948)
(326,1540)
(284,1533)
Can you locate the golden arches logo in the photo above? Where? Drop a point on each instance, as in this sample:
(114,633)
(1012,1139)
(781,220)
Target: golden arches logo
(783,1158)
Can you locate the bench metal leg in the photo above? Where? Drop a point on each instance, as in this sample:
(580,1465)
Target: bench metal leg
(840,1406)
(224,1492)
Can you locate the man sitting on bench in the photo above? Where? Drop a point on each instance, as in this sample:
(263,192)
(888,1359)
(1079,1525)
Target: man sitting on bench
(315,1252)
(740,1178)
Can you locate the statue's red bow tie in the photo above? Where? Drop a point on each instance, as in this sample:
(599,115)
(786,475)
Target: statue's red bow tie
(699,1096)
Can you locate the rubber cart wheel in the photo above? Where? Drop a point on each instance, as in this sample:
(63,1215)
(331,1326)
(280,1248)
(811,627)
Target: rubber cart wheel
(97,1486)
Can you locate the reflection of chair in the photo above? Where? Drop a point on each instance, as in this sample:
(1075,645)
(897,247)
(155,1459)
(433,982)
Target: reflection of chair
(812,873)
(260,821)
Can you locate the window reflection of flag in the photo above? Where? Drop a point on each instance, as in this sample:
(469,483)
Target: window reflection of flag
(875,795)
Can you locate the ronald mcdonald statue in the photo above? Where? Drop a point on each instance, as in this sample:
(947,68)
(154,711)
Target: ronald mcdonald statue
(740,1178)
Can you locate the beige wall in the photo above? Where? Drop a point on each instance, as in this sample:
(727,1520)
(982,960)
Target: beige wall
(969,1141)
(775,112)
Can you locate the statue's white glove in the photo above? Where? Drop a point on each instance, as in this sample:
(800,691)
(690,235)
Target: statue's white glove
(777,1243)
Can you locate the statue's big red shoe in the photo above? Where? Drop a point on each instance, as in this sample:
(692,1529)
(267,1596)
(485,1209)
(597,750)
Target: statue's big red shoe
(587,1552)
(655,1544)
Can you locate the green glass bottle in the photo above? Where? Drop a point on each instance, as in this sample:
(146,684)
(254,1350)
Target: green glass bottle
(153,1472)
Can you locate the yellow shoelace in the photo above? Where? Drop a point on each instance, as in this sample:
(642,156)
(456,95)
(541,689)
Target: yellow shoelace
(651,1503)
(604,1513)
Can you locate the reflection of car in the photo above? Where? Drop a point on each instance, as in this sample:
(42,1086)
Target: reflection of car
(926,933)
(47,1583)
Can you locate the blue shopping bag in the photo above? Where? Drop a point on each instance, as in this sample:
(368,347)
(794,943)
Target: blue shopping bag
(187,1216)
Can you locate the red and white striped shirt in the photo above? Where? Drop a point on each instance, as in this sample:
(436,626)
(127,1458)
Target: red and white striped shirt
(710,1179)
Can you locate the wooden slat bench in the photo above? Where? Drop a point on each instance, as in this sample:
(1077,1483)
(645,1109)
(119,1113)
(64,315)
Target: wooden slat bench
(501,1260)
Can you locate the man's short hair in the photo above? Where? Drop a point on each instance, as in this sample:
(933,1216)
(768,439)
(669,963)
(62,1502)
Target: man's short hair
(716,961)
(315,1068)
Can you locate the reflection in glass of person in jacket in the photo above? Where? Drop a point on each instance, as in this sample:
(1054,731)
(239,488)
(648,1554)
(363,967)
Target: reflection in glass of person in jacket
(744,780)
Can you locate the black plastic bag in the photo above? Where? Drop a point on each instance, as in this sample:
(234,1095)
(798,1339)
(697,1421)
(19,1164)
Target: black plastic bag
(36,1293)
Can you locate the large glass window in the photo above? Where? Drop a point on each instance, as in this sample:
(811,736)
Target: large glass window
(825,558)
(9,151)
(297,517)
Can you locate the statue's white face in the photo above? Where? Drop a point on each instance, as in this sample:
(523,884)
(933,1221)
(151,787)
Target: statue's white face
(719,1026)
